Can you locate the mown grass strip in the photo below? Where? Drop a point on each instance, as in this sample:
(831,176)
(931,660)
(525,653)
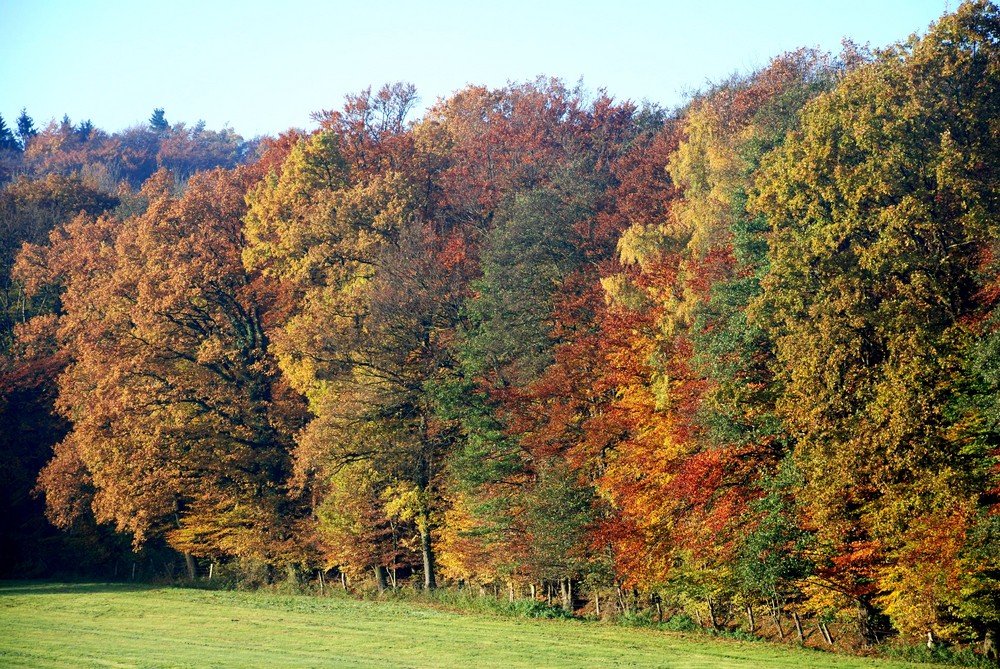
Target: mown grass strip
(64,625)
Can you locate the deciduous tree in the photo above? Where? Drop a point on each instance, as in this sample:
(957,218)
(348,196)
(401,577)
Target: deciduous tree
(180,425)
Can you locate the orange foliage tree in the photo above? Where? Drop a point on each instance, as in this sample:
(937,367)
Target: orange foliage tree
(180,424)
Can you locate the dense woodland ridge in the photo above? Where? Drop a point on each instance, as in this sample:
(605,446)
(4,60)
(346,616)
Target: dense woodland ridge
(741,360)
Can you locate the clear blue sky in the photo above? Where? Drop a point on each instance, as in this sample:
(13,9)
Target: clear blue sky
(264,66)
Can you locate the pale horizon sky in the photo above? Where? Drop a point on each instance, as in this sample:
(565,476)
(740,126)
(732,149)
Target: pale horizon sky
(262,67)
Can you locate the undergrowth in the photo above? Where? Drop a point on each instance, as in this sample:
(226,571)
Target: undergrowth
(958,657)
(466,601)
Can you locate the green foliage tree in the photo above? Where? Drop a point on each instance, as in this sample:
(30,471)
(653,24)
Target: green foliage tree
(7,140)
(527,254)
(25,129)
(875,204)
(520,392)
(158,121)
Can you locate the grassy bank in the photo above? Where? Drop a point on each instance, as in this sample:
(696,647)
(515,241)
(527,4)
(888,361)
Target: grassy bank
(62,625)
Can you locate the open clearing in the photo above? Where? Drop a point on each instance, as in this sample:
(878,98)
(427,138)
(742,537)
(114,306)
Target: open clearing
(62,625)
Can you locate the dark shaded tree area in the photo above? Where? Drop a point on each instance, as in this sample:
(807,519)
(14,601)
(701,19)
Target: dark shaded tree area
(736,362)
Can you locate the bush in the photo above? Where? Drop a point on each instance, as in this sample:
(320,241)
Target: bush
(940,654)
(681,622)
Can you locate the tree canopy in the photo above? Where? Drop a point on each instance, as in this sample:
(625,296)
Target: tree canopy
(734,359)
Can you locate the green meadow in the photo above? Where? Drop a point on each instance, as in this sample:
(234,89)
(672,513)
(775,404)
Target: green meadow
(101,625)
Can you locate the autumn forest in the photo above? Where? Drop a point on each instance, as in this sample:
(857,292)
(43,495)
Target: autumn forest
(740,359)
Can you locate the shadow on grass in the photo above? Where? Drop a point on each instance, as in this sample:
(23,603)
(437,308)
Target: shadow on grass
(11,588)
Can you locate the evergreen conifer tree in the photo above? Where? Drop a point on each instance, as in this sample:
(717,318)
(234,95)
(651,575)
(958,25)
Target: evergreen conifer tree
(25,128)
(158,121)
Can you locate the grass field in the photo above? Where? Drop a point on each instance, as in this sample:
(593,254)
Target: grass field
(58,625)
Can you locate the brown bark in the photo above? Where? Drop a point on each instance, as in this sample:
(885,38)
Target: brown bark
(990,650)
(426,547)
(776,615)
(866,624)
(825,631)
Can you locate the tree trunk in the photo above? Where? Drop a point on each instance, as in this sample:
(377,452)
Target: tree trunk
(990,650)
(565,594)
(532,586)
(711,614)
(380,578)
(430,582)
(510,591)
(597,603)
(866,625)
(798,626)
(192,567)
(750,619)
(825,631)
(776,616)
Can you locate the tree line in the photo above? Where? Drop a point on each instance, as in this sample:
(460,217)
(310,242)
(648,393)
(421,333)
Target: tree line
(741,358)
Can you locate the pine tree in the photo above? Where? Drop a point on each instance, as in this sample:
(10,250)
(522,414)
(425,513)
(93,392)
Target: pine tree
(25,128)
(158,121)
(7,139)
